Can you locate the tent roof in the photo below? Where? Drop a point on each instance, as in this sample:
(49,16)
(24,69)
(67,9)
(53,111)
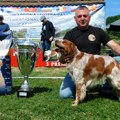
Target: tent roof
(116,23)
(34,3)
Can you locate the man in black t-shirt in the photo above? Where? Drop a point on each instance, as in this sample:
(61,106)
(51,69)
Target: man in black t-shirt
(88,39)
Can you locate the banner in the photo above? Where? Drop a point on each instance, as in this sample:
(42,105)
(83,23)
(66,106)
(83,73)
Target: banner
(25,21)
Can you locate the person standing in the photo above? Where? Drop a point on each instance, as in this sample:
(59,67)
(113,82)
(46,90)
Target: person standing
(47,34)
(88,39)
(6,41)
(4,27)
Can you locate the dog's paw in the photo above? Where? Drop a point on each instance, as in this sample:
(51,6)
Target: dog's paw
(75,103)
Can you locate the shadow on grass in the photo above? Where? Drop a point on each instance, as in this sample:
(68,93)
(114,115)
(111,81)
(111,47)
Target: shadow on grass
(96,95)
(34,90)
(41,89)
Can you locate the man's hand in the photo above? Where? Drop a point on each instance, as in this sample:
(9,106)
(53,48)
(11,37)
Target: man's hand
(51,38)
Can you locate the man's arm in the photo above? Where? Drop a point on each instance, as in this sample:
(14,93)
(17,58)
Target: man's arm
(8,27)
(52,31)
(114,46)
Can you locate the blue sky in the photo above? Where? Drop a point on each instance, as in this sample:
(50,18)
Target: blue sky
(112,7)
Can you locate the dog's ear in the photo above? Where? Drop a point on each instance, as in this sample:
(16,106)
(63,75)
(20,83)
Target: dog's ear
(70,47)
(73,47)
(69,51)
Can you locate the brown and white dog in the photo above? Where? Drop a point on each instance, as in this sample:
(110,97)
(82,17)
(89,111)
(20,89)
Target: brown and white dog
(49,54)
(87,68)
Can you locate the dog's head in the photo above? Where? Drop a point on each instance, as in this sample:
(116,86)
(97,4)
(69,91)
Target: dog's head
(66,50)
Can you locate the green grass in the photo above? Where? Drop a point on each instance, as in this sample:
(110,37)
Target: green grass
(45,104)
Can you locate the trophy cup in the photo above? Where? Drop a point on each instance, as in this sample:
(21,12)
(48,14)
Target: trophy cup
(26,56)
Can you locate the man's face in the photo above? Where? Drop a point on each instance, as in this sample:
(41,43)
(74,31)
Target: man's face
(82,18)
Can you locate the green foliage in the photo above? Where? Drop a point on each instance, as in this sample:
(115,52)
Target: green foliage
(20,34)
(115,35)
(46,104)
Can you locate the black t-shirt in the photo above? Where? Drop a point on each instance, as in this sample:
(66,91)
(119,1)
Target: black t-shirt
(89,40)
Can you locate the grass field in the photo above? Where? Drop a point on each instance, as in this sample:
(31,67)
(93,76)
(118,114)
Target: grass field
(45,104)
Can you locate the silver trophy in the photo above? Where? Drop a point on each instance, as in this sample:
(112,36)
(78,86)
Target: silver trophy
(25,51)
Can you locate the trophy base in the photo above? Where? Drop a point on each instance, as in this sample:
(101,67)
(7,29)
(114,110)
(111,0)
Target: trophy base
(26,94)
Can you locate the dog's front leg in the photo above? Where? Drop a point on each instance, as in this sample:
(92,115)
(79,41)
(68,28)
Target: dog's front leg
(80,92)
